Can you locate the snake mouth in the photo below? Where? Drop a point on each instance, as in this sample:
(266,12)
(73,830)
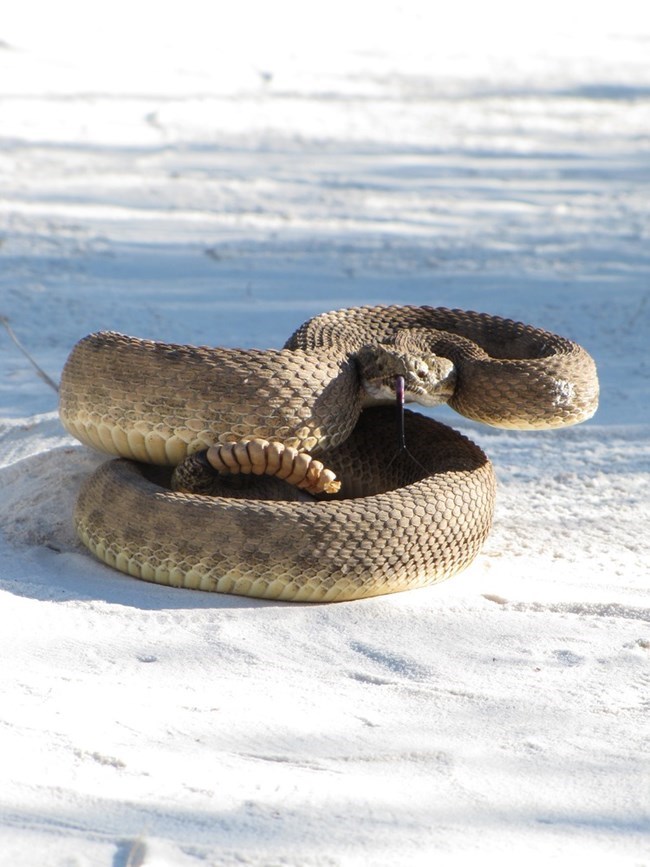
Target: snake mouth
(378,391)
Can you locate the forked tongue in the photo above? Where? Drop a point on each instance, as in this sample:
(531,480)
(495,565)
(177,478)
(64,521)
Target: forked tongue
(399,402)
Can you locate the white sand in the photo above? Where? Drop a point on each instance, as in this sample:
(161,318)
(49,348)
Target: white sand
(187,173)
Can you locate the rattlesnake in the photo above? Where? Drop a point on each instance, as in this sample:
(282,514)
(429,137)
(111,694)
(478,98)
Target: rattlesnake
(403,518)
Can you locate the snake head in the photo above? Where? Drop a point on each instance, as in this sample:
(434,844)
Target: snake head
(429,379)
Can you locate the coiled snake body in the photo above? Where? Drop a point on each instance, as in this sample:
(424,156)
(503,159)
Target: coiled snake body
(402,518)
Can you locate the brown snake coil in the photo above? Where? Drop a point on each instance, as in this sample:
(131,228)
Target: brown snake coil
(401,519)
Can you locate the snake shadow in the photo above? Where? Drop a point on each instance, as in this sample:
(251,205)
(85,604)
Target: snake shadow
(42,558)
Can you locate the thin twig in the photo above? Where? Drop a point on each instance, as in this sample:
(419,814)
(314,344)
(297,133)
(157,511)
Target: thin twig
(4,320)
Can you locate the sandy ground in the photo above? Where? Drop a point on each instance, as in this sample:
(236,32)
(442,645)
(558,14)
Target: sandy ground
(217,177)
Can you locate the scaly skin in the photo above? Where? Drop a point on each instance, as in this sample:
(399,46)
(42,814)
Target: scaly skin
(400,521)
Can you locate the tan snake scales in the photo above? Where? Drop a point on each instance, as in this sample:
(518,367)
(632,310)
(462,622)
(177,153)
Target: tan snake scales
(401,519)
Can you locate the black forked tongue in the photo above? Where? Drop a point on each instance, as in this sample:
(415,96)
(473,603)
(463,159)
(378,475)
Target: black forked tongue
(399,402)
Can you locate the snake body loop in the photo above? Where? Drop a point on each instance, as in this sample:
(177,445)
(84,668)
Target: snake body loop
(400,520)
